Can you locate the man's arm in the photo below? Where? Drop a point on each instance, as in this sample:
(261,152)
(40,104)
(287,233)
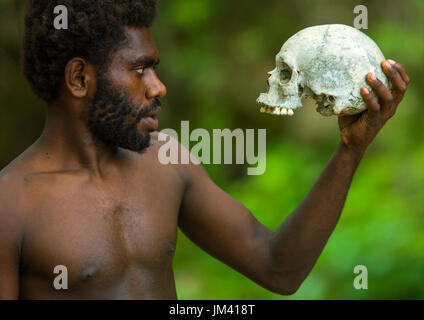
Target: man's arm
(281,260)
(10,236)
(305,232)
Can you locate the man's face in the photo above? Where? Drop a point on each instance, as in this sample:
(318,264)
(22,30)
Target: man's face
(126,102)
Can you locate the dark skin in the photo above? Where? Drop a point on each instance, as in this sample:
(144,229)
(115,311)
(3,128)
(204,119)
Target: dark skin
(111,215)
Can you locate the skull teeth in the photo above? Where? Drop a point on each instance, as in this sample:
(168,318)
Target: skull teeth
(277,111)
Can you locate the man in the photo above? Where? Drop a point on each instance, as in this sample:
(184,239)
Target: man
(90,194)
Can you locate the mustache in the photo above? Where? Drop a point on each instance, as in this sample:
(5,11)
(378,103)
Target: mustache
(149,109)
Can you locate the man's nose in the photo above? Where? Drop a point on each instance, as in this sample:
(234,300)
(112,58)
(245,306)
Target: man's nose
(155,89)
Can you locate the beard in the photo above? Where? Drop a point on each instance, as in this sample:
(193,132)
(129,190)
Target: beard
(113,118)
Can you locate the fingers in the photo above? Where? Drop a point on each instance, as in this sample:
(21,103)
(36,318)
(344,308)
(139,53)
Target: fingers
(394,77)
(398,83)
(400,69)
(371,101)
(388,100)
(384,94)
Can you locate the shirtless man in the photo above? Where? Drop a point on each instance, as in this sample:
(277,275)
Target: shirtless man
(91,195)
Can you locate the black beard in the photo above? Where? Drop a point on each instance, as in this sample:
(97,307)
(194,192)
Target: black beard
(113,118)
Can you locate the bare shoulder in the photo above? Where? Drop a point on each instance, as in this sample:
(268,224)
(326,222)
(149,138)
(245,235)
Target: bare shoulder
(171,153)
(12,202)
(15,191)
(12,186)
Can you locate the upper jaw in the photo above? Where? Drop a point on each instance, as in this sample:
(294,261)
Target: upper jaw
(278,111)
(280,107)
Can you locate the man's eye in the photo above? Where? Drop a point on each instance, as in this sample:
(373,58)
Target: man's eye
(140,70)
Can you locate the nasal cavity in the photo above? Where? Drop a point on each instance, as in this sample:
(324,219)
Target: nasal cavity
(285,73)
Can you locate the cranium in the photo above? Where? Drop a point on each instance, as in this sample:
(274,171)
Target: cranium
(327,63)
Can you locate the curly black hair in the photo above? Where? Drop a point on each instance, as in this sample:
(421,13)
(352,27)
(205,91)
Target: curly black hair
(95,29)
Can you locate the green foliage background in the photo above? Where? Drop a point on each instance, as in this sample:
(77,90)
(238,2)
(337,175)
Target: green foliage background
(214,59)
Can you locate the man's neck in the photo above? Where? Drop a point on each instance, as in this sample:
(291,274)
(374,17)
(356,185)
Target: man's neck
(71,144)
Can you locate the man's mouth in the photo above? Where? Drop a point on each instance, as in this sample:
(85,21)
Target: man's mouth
(155,113)
(151,120)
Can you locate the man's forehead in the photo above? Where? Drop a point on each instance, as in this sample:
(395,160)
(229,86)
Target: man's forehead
(140,44)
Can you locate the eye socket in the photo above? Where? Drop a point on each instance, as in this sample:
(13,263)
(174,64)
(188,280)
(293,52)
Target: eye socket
(140,70)
(285,73)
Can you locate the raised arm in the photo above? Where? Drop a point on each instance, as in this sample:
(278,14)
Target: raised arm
(281,260)
(302,237)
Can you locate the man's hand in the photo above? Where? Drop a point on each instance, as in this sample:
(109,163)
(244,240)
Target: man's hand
(358,131)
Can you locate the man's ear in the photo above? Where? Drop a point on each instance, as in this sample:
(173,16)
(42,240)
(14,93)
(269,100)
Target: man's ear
(79,78)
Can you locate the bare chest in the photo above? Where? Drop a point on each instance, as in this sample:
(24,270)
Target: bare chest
(100,236)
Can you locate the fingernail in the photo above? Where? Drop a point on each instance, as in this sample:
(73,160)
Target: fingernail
(391,62)
(366,91)
(372,76)
(387,64)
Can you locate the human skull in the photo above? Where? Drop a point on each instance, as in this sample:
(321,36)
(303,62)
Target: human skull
(327,63)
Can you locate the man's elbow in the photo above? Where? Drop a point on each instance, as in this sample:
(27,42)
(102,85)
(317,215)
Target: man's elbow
(285,285)
(284,289)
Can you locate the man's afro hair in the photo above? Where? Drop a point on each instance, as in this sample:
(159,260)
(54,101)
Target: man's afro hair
(95,27)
